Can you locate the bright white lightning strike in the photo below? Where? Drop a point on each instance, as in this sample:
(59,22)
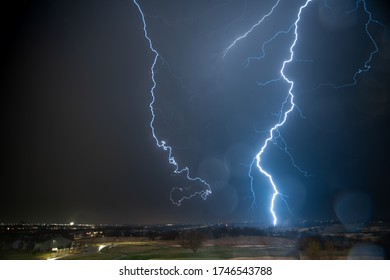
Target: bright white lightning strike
(290,97)
(280,123)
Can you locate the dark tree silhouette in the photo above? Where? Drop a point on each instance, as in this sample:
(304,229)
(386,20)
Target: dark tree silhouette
(192,240)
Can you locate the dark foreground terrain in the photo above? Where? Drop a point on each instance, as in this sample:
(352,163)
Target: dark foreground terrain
(219,241)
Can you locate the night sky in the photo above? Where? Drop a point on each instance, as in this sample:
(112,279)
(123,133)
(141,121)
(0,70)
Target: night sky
(75,111)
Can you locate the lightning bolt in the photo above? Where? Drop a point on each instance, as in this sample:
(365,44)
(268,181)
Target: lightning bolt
(163,144)
(281,122)
(283,116)
(287,107)
(273,132)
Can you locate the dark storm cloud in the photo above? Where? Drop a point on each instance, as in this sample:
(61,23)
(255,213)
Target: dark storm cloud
(75,115)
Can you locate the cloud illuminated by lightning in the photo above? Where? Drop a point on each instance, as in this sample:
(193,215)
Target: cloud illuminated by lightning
(163,144)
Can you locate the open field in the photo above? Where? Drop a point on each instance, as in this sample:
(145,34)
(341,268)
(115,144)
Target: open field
(173,250)
(223,248)
(250,247)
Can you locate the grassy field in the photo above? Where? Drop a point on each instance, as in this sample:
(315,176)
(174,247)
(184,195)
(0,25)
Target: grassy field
(155,250)
(213,249)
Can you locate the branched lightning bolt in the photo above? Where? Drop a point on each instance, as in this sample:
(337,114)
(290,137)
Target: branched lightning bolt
(288,105)
(162,144)
(283,116)
(283,119)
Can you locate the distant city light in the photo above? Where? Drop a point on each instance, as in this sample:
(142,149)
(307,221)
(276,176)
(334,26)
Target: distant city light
(71,223)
